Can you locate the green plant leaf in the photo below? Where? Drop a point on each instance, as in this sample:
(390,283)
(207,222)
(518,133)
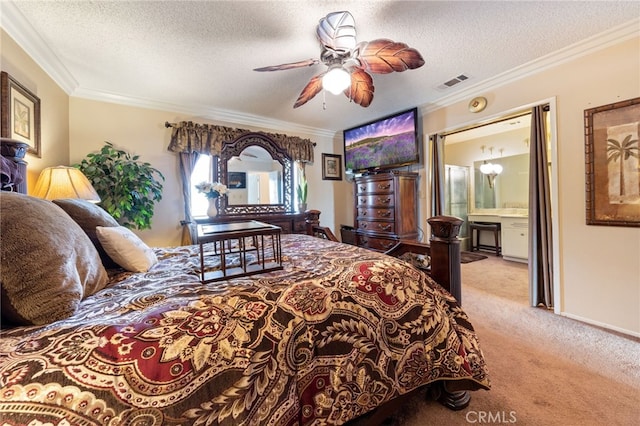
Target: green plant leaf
(128,188)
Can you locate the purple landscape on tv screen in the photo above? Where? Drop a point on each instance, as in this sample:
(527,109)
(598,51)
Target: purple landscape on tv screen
(385,143)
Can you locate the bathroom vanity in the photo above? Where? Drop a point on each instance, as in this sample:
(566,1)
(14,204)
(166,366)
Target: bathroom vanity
(514,233)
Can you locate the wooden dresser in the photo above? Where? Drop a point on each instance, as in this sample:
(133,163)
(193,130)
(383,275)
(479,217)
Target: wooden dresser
(291,223)
(386,209)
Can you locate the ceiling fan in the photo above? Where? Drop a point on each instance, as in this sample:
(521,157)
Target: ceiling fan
(349,62)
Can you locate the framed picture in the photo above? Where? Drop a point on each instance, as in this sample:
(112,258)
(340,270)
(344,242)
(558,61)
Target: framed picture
(331,167)
(20,115)
(237,180)
(612,151)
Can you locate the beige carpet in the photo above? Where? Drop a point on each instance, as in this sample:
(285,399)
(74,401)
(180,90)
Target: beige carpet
(545,369)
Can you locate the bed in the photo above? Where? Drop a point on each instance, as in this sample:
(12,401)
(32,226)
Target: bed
(338,333)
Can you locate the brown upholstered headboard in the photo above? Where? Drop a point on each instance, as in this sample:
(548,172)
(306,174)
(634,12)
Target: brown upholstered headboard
(13,167)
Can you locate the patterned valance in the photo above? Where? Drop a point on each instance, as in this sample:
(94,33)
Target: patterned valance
(188,136)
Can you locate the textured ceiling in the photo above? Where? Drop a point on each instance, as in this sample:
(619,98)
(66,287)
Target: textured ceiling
(197,57)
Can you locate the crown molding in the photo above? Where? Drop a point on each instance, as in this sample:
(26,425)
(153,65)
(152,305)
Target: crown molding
(623,32)
(17,26)
(203,111)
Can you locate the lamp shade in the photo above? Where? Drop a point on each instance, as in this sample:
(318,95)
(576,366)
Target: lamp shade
(336,80)
(64,182)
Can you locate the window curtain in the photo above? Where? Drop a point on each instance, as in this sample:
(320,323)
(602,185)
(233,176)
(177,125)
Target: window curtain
(188,161)
(437,175)
(209,139)
(540,231)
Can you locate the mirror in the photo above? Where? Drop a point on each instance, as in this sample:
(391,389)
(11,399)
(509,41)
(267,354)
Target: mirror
(253,177)
(259,175)
(510,189)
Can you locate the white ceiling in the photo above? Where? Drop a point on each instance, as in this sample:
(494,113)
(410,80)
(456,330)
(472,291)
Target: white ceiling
(197,57)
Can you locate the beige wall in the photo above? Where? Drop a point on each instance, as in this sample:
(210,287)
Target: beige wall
(54,107)
(599,266)
(142,132)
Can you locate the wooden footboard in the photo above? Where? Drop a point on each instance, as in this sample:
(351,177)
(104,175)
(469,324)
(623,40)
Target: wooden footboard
(444,250)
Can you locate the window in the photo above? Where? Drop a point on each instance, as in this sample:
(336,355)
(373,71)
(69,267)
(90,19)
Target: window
(201,172)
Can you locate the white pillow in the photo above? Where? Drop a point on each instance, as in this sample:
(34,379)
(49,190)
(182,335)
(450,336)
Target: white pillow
(126,248)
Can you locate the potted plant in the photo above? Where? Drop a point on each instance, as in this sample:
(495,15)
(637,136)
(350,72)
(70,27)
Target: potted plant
(302,194)
(212,191)
(128,188)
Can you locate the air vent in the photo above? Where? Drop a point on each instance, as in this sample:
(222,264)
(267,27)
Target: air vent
(453,81)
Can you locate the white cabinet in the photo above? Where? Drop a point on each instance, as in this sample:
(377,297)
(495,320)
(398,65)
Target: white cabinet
(515,238)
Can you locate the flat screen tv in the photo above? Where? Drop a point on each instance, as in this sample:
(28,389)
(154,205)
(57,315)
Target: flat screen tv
(383,144)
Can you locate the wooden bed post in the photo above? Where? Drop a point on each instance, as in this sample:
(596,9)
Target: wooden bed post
(445,253)
(311,217)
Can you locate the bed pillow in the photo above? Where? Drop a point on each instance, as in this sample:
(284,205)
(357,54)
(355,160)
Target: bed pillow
(48,263)
(88,216)
(126,248)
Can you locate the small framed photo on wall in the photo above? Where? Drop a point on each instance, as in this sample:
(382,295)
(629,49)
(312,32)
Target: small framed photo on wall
(20,115)
(331,167)
(612,148)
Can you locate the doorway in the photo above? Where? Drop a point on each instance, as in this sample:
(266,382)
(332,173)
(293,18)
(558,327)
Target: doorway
(505,137)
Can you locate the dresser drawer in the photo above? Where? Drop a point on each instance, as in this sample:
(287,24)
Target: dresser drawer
(379,213)
(377,186)
(376,243)
(375,200)
(378,226)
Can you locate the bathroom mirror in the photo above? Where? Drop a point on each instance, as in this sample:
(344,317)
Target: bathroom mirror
(509,189)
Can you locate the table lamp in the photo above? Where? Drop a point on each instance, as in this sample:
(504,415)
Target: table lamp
(64,182)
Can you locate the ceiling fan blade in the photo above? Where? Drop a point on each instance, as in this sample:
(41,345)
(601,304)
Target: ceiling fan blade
(299,64)
(362,89)
(383,56)
(337,32)
(310,90)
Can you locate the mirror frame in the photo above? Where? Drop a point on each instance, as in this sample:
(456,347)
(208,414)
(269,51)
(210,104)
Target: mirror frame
(233,149)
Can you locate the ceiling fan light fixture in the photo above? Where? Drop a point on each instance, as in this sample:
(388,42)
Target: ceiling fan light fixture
(336,80)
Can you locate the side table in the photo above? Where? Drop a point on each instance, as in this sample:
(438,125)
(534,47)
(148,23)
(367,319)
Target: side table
(223,235)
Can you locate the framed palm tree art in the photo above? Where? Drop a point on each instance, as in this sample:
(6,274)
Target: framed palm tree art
(612,156)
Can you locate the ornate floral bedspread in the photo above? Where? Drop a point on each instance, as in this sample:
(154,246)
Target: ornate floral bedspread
(338,332)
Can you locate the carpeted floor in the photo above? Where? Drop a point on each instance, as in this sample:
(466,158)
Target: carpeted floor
(545,369)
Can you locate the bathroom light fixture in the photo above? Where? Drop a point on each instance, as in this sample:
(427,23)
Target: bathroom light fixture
(491,170)
(336,80)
